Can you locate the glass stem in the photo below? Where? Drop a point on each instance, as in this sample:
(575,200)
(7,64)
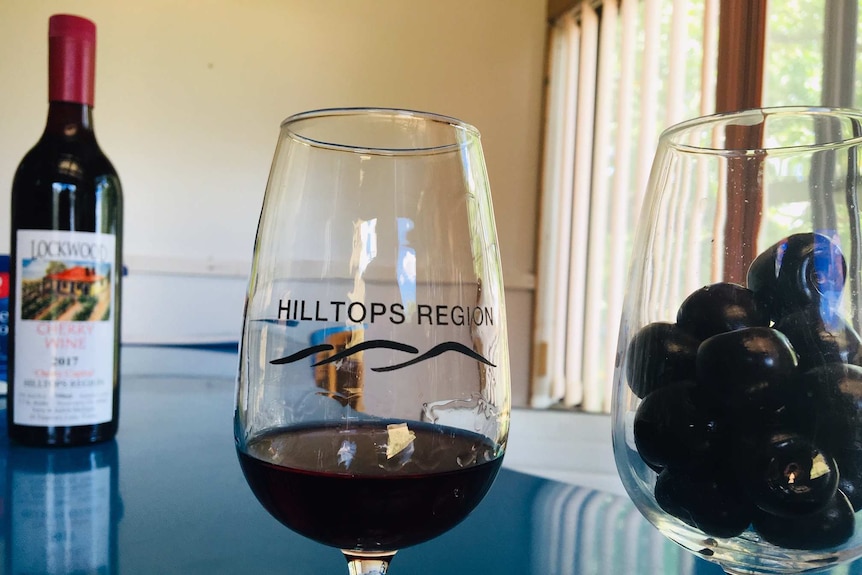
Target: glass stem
(368,563)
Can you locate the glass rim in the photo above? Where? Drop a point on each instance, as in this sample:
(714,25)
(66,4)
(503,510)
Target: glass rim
(671,136)
(290,127)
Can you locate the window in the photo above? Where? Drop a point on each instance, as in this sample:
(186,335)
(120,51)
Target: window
(619,72)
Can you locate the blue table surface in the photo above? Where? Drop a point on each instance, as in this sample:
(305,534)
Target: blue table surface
(168,497)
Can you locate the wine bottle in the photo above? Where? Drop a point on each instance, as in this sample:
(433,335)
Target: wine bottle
(64,352)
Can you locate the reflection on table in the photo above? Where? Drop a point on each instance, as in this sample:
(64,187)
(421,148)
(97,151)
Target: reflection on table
(167,496)
(62,508)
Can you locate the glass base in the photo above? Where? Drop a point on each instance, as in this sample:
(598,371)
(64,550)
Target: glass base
(359,563)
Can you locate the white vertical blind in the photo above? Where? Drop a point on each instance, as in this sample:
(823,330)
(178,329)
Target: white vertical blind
(708,82)
(565,214)
(709,61)
(578,251)
(544,343)
(550,324)
(674,113)
(626,69)
(675,110)
(596,363)
(621,213)
(648,96)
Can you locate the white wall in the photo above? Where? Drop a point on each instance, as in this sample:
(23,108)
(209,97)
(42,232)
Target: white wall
(189,97)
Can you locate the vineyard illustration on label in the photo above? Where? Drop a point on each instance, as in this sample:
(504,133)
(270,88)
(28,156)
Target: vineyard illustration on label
(65,291)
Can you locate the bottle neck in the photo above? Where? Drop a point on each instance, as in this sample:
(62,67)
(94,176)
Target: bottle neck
(71,76)
(71,66)
(69,119)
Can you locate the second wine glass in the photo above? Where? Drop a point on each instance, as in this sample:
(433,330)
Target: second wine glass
(373,402)
(738,396)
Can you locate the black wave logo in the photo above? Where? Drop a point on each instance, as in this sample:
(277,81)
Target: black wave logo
(438,349)
(370,344)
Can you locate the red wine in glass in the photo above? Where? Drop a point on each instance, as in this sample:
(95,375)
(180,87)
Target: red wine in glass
(347,487)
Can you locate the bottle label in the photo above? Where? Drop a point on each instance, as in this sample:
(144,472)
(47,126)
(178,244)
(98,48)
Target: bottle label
(64,328)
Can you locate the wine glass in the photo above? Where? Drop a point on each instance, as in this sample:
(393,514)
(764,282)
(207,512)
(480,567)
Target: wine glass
(373,401)
(737,411)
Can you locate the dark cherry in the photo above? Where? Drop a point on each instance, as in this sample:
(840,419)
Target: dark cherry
(680,426)
(760,407)
(736,360)
(849,463)
(787,475)
(800,270)
(717,508)
(820,337)
(719,308)
(827,404)
(829,527)
(659,353)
